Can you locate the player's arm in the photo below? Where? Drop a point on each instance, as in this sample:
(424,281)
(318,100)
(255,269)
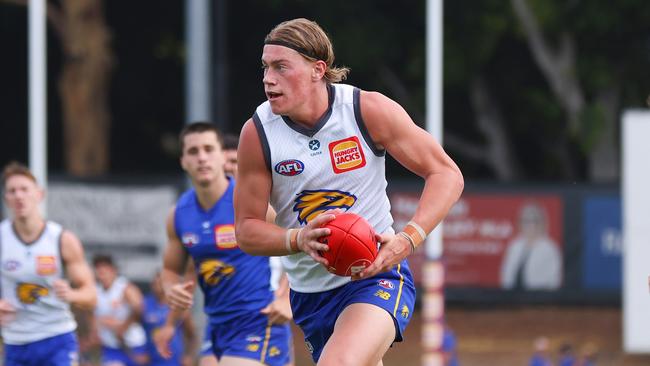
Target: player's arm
(133,298)
(190,340)
(179,292)
(391,128)
(92,340)
(81,291)
(255,235)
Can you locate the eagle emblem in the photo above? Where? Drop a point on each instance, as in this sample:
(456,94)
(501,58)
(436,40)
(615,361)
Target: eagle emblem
(29,293)
(213,271)
(311,203)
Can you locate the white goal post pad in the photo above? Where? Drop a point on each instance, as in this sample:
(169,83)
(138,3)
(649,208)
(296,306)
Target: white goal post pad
(635,187)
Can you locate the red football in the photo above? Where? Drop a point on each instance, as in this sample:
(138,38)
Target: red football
(352,244)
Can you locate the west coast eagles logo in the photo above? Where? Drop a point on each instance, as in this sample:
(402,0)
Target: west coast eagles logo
(311,203)
(29,293)
(214,270)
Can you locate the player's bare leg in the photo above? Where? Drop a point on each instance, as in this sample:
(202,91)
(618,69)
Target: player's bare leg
(209,360)
(362,334)
(238,361)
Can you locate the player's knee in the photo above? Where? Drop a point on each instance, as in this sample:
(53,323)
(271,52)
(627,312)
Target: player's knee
(345,359)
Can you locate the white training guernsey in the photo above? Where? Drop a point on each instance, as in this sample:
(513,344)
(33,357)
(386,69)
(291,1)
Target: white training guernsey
(111,303)
(333,165)
(28,272)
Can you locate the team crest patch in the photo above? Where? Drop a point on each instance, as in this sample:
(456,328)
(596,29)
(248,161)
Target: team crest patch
(214,270)
(311,203)
(386,284)
(224,236)
(45,265)
(29,293)
(190,239)
(346,155)
(289,167)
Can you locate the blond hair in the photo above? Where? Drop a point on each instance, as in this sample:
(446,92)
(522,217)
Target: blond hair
(311,41)
(16,168)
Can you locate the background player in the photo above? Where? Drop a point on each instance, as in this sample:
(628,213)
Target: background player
(117,317)
(154,315)
(236,285)
(279,282)
(38,327)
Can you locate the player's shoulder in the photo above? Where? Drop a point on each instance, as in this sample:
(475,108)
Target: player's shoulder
(186,200)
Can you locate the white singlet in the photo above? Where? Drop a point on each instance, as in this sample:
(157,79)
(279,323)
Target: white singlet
(333,165)
(111,303)
(28,272)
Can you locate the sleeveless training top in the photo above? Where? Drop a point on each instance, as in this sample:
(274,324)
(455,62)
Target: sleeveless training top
(28,271)
(234,283)
(111,303)
(333,165)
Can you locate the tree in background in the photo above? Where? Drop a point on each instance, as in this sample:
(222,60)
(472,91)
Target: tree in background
(588,51)
(553,111)
(84,83)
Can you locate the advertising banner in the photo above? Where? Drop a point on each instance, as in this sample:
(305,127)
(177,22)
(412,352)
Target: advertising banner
(602,262)
(126,222)
(509,241)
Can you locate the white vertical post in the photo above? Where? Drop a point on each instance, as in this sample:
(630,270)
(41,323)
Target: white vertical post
(198,75)
(636,231)
(434,51)
(38,93)
(432,270)
(198,96)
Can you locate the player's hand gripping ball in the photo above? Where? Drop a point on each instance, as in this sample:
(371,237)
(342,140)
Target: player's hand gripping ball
(352,244)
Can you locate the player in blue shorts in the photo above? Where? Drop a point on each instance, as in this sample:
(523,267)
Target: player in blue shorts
(43,272)
(154,315)
(249,325)
(317,145)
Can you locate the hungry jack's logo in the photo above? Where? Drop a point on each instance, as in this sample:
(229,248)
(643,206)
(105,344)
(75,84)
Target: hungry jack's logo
(224,236)
(45,265)
(346,155)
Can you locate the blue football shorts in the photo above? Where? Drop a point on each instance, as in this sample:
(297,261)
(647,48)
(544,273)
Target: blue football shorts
(251,336)
(61,350)
(206,344)
(125,357)
(316,313)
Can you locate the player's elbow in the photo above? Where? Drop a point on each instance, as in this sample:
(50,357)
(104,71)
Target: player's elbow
(244,237)
(455,182)
(458,182)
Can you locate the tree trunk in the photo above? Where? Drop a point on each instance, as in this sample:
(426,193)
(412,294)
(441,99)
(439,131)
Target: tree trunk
(84,86)
(558,65)
(499,154)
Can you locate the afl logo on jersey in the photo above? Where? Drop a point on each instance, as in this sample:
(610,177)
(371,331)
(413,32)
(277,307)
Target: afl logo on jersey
(11,265)
(190,239)
(346,155)
(289,167)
